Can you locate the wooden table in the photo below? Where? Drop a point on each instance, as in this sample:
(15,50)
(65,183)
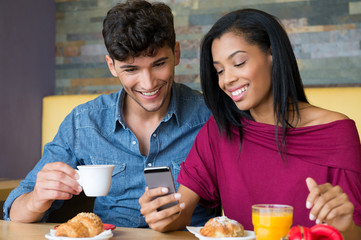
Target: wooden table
(36,231)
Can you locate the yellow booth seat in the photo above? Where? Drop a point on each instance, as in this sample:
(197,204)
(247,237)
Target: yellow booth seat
(55,109)
(345,100)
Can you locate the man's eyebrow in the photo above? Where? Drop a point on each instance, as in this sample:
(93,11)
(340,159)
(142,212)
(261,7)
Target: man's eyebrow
(127,66)
(134,66)
(160,60)
(231,56)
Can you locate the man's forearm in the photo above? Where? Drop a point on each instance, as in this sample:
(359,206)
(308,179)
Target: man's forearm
(22,210)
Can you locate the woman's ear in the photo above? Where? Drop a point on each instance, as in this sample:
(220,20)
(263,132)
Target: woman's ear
(269,53)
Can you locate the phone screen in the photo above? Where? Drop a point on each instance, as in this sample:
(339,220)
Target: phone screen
(160,177)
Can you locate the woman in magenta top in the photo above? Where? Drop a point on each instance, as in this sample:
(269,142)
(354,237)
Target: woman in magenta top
(265,143)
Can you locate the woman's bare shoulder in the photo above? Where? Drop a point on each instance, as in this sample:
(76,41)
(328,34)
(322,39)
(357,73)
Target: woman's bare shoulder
(313,115)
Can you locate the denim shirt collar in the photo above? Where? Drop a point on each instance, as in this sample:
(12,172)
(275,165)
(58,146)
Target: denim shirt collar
(173,107)
(119,110)
(119,114)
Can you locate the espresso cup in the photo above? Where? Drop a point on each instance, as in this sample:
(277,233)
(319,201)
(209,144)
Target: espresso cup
(95,179)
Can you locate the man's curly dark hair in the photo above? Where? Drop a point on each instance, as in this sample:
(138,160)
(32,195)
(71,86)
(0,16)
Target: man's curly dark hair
(136,28)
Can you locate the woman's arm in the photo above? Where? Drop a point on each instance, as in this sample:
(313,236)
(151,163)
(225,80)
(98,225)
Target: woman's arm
(174,218)
(353,233)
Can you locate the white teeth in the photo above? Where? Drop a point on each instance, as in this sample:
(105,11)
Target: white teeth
(239,91)
(150,93)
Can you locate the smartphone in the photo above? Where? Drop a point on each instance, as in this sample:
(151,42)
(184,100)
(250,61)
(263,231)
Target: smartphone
(160,177)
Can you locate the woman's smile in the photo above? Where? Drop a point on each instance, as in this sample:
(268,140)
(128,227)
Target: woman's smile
(238,93)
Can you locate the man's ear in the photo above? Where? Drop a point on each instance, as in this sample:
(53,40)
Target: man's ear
(177,53)
(111,65)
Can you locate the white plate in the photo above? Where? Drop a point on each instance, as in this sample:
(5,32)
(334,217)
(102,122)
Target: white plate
(103,236)
(248,235)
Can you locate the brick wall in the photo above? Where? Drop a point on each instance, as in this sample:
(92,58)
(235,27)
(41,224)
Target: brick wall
(326,35)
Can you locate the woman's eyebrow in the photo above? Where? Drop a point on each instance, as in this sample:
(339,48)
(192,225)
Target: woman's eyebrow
(231,56)
(236,52)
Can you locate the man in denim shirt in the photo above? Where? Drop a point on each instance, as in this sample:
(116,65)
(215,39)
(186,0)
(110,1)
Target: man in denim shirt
(151,121)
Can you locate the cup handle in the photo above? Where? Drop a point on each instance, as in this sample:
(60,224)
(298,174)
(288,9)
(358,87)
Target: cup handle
(79,179)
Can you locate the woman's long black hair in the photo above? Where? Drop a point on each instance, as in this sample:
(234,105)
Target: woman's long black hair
(265,31)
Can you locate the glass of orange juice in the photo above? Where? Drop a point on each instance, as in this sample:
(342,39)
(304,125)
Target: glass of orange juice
(271,221)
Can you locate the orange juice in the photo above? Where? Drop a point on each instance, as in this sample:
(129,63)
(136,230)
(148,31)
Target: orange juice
(271,222)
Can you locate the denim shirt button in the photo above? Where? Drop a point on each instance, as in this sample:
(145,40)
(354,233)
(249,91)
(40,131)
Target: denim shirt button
(149,164)
(154,134)
(134,142)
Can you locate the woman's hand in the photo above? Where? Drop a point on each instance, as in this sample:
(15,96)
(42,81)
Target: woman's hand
(329,204)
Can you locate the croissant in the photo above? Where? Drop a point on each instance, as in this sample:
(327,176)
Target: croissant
(80,226)
(222,227)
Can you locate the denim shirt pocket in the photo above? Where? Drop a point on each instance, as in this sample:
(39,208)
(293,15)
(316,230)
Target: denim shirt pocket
(118,184)
(175,170)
